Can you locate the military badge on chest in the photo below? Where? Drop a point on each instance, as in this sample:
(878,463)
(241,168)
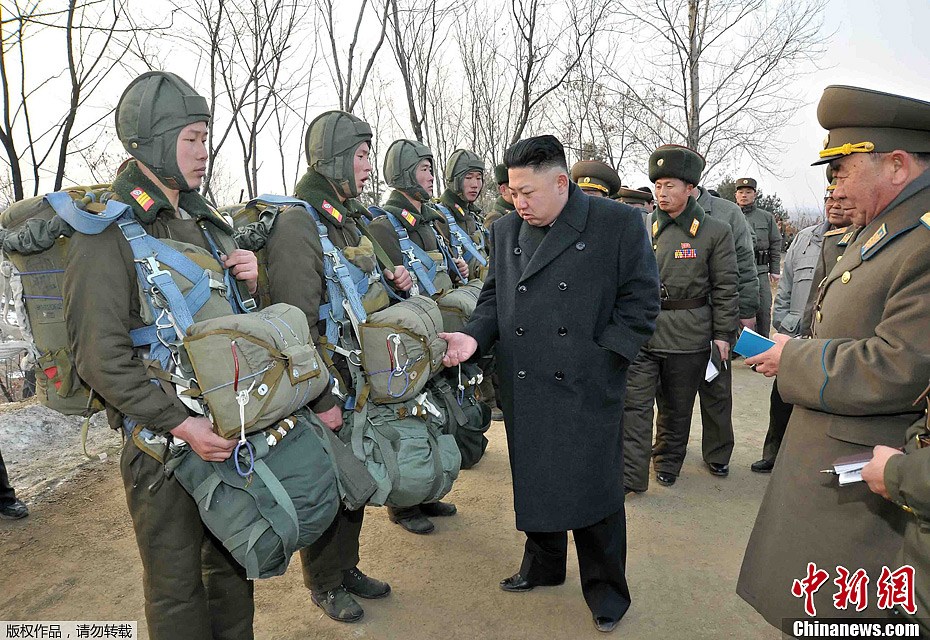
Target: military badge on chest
(686,252)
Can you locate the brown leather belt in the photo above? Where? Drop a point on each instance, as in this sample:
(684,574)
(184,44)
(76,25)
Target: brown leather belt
(684,303)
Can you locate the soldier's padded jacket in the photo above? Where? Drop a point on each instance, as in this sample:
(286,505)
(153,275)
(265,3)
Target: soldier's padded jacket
(102,305)
(768,238)
(295,255)
(465,214)
(696,258)
(744,240)
(420,230)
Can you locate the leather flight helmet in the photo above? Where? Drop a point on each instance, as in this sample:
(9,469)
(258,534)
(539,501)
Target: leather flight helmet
(150,115)
(461,162)
(330,144)
(400,165)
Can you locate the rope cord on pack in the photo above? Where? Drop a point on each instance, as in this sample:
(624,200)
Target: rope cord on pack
(242,399)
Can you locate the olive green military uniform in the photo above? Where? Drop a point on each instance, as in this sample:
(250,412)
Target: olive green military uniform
(193,588)
(768,246)
(501,206)
(466,216)
(295,276)
(697,268)
(854,382)
(906,482)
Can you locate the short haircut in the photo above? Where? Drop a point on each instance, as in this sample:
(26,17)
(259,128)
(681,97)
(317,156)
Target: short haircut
(538,152)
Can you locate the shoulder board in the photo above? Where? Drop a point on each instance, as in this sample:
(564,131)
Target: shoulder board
(835,232)
(925,219)
(655,227)
(695,225)
(845,240)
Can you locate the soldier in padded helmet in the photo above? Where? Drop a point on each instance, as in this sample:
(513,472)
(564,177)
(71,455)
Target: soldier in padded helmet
(193,588)
(337,146)
(464,176)
(408,168)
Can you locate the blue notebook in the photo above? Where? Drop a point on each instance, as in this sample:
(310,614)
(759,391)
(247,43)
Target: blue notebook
(752,344)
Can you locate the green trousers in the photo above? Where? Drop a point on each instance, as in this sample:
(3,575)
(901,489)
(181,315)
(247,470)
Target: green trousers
(336,551)
(194,590)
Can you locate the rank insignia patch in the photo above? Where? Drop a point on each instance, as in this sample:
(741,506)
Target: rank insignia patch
(145,200)
(331,210)
(409,218)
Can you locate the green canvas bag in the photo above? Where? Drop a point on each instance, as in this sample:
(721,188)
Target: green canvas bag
(457,305)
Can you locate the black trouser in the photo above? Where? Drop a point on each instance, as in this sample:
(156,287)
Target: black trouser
(7,494)
(193,587)
(601,551)
(716,399)
(323,562)
(779,414)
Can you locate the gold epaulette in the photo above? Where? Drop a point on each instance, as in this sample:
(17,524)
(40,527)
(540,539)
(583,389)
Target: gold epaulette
(835,232)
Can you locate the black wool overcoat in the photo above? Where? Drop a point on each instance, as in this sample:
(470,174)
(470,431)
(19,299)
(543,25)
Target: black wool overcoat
(567,323)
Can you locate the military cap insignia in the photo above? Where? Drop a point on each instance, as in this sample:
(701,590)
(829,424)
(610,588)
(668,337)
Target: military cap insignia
(695,225)
(145,200)
(875,239)
(331,210)
(745,181)
(660,161)
(409,218)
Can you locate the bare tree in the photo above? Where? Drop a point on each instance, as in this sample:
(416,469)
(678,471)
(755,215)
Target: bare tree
(720,74)
(96,36)
(343,71)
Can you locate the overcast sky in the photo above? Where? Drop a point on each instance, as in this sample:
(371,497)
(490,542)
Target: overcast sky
(878,45)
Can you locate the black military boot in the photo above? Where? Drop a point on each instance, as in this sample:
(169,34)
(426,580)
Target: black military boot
(338,604)
(358,584)
(438,509)
(411,519)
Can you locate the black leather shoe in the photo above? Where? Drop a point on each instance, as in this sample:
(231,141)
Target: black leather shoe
(14,511)
(722,470)
(762,466)
(358,584)
(665,479)
(438,509)
(338,604)
(605,624)
(517,584)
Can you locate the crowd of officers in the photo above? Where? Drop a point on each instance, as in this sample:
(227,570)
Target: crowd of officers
(717,263)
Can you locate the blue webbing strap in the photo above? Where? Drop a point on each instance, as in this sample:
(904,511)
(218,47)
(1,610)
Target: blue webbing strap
(459,238)
(233,294)
(415,259)
(88,223)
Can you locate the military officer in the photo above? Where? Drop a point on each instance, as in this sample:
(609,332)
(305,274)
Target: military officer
(634,198)
(698,275)
(651,204)
(504,203)
(193,587)
(795,289)
(596,178)
(854,382)
(716,396)
(768,249)
(337,147)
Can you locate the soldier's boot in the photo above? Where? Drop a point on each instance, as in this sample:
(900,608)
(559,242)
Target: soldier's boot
(14,510)
(358,584)
(411,519)
(338,604)
(438,509)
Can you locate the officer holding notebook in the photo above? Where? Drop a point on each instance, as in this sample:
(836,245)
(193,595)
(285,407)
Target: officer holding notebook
(854,382)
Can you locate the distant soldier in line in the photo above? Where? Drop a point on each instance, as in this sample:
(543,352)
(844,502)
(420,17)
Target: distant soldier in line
(504,203)
(634,198)
(651,203)
(464,176)
(768,249)
(699,309)
(596,178)
(797,291)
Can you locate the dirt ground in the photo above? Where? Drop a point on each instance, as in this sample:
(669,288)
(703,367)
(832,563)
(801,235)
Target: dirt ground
(74,557)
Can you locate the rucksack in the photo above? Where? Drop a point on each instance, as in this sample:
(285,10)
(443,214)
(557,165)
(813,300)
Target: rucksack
(456,306)
(466,418)
(406,453)
(36,257)
(286,503)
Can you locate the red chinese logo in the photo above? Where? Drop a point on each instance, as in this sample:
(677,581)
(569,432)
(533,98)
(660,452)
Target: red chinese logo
(852,589)
(895,588)
(808,586)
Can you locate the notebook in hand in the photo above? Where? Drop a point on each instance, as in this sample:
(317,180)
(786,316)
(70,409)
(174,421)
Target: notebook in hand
(752,344)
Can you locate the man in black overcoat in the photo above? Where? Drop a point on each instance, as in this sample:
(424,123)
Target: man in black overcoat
(572,295)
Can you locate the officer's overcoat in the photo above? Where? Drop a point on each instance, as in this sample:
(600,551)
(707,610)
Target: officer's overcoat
(568,321)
